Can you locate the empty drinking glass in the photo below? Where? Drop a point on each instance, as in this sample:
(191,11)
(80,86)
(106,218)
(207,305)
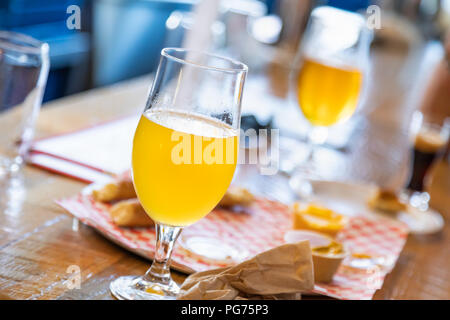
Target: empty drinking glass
(24,68)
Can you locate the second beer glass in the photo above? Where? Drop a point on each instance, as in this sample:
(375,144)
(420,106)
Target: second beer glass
(328,75)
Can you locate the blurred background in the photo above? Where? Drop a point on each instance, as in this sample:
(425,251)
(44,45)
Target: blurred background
(121,39)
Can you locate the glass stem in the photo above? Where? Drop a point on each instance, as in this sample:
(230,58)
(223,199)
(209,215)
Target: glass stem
(165,239)
(301,181)
(316,137)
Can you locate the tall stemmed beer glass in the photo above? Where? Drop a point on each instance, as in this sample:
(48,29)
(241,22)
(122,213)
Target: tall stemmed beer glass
(184,154)
(328,74)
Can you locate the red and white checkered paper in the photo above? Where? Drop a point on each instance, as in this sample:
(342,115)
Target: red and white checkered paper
(258,229)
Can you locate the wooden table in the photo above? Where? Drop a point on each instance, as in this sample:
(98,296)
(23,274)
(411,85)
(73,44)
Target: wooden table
(38,241)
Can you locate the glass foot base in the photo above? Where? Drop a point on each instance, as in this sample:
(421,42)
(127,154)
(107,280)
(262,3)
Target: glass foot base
(136,288)
(301,186)
(9,166)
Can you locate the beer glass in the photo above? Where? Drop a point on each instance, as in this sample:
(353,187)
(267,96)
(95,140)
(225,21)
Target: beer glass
(429,139)
(328,74)
(184,154)
(23,74)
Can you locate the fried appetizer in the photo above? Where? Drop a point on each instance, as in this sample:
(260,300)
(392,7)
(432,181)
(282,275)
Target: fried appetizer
(387,201)
(236,196)
(115,191)
(129,213)
(317,218)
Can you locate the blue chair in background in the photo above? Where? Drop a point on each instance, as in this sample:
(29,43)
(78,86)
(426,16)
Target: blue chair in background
(119,39)
(69,49)
(350,5)
(128,36)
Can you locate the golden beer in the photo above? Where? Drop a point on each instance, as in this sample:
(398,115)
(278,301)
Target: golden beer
(326,93)
(182,164)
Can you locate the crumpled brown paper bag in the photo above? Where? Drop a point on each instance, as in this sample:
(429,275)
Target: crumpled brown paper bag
(279,273)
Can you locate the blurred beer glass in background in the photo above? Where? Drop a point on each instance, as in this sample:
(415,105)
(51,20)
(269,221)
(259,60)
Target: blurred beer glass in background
(24,68)
(429,140)
(328,76)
